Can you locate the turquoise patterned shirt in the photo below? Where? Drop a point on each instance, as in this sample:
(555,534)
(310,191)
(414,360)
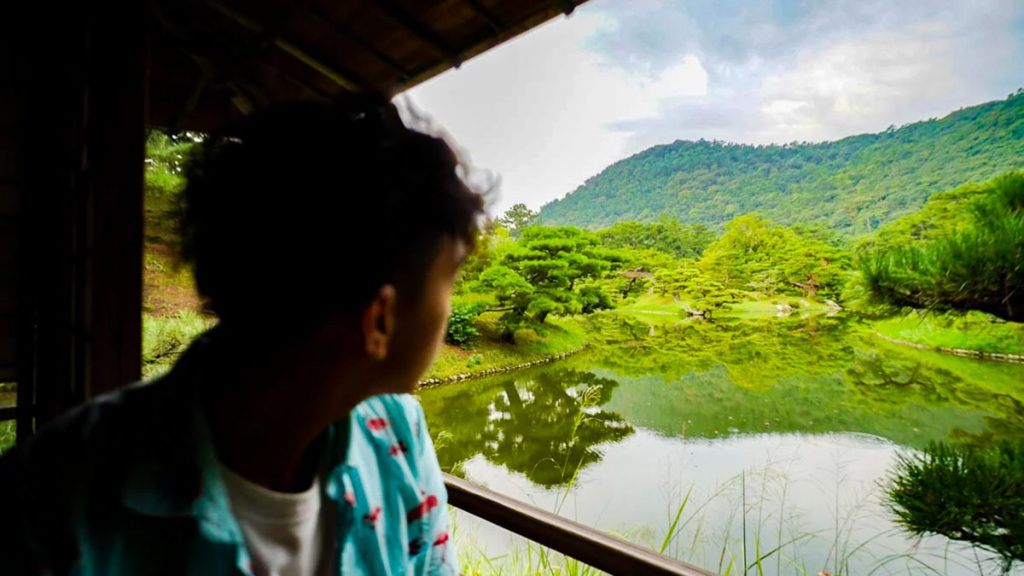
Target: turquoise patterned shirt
(129,484)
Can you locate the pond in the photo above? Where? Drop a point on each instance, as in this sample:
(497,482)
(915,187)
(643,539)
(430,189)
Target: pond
(768,439)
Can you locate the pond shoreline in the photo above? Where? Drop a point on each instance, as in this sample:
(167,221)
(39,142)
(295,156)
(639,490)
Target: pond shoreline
(434,382)
(997,356)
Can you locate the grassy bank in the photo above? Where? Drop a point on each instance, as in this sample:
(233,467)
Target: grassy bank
(488,351)
(970,331)
(164,338)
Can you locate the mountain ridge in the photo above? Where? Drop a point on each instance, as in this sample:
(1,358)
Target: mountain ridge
(853,184)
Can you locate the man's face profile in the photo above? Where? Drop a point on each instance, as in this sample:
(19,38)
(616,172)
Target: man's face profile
(403,331)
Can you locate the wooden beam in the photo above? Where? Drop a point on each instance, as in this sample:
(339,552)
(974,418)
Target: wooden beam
(588,545)
(340,78)
(193,99)
(15,413)
(566,6)
(217,76)
(485,15)
(546,11)
(418,29)
(364,45)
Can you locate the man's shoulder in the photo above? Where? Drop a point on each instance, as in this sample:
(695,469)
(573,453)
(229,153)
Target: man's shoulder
(78,459)
(126,413)
(391,418)
(395,406)
(101,434)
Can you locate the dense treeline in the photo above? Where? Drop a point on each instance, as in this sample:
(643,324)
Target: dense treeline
(852,185)
(562,270)
(964,251)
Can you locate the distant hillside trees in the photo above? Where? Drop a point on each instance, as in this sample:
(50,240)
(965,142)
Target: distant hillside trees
(517,218)
(853,185)
(666,235)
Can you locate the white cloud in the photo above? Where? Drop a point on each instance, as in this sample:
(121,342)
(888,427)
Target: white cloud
(557,105)
(537,111)
(685,78)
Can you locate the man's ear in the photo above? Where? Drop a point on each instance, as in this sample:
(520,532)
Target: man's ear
(378,322)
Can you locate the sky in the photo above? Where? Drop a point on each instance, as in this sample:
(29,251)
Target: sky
(540,114)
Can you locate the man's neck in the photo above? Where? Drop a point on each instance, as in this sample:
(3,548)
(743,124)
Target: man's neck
(267,421)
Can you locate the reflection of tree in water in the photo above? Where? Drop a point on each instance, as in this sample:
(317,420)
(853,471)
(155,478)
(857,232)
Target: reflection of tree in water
(756,353)
(965,493)
(546,425)
(890,379)
(895,381)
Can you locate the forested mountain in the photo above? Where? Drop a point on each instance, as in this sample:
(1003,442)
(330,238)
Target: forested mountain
(853,185)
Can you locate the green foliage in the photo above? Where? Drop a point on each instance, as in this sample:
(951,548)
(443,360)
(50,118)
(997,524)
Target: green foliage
(491,349)
(852,185)
(666,235)
(164,180)
(712,297)
(165,162)
(517,218)
(560,403)
(631,275)
(8,435)
(680,280)
(543,273)
(977,264)
(756,255)
(460,330)
(942,215)
(490,244)
(964,493)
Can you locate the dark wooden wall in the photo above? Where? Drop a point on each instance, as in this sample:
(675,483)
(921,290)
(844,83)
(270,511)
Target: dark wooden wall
(72,136)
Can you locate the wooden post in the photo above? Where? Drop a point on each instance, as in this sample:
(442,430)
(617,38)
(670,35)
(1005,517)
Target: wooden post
(114,129)
(82,94)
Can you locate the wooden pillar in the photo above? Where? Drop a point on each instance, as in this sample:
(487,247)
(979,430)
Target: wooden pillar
(81,82)
(114,127)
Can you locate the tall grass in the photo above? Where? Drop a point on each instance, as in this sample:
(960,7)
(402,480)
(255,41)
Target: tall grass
(164,338)
(7,435)
(980,267)
(758,535)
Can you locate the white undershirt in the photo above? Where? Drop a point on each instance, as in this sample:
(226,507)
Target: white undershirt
(284,532)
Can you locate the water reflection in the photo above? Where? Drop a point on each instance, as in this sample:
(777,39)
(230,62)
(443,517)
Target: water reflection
(694,388)
(545,424)
(889,377)
(710,380)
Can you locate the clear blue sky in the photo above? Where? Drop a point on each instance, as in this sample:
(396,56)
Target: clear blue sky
(553,107)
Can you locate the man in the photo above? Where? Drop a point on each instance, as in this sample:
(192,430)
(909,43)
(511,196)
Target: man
(326,239)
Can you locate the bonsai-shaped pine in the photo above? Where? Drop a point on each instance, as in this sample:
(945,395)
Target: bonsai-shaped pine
(964,493)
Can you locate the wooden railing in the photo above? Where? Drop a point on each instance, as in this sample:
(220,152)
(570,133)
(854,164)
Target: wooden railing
(592,547)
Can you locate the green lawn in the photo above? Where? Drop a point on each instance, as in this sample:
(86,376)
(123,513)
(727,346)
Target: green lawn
(555,336)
